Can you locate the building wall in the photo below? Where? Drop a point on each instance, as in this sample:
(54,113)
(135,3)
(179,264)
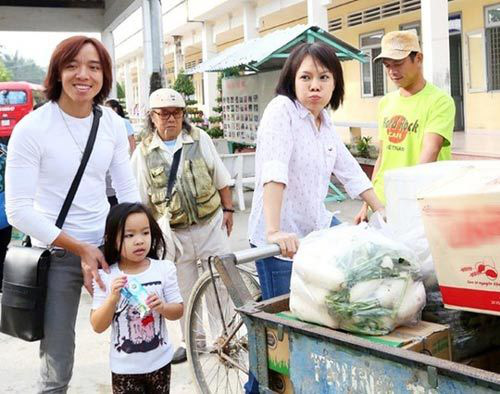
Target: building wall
(478,107)
(289,17)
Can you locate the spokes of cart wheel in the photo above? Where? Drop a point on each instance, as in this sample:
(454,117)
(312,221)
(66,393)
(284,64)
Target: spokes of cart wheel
(216,338)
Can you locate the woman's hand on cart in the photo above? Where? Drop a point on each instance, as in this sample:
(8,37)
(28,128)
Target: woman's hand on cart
(288,242)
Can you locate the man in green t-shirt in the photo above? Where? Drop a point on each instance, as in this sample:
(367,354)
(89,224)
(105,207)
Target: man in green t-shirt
(416,121)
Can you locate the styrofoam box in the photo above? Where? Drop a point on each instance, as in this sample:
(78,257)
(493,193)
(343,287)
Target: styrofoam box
(402,186)
(461,216)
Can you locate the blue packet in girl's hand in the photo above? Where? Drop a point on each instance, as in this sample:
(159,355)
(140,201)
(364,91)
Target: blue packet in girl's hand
(137,295)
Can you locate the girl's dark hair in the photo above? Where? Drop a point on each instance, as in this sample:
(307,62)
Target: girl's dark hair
(322,54)
(115,227)
(116,106)
(64,53)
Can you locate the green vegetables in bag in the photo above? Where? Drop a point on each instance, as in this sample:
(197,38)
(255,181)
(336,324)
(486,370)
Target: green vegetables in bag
(376,281)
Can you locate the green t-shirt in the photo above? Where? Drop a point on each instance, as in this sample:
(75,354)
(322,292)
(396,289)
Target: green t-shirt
(402,123)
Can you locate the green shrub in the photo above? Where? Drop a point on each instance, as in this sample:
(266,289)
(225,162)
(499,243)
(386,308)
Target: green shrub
(215,132)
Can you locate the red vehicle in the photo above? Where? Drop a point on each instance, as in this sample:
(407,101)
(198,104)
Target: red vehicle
(16,100)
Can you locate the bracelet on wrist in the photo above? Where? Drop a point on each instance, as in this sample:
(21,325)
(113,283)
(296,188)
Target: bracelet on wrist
(228,210)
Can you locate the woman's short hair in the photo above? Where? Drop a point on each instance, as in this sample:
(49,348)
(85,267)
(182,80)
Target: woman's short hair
(322,54)
(64,53)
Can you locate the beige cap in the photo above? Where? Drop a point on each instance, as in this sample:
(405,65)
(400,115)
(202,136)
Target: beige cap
(397,45)
(166,97)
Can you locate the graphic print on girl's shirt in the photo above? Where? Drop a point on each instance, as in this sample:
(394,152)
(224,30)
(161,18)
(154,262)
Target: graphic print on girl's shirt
(140,334)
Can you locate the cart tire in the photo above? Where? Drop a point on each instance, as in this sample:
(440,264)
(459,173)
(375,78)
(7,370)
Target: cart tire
(211,373)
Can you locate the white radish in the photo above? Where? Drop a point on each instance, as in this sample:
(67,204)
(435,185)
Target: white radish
(390,292)
(364,291)
(412,304)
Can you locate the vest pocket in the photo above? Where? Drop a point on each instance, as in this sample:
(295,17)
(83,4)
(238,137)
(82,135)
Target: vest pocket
(158,176)
(201,185)
(178,215)
(200,181)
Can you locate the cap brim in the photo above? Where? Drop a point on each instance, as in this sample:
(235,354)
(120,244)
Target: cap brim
(392,54)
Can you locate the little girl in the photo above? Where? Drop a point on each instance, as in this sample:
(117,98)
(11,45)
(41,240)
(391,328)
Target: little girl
(140,351)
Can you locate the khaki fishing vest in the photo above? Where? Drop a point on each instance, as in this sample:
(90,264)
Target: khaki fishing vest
(194,197)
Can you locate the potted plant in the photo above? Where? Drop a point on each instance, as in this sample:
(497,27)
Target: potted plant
(365,153)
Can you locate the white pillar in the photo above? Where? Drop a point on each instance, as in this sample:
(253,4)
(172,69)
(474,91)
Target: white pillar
(178,55)
(143,87)
(209,50)
(250,21)
(317,13)
(147,51)
(436,42)
(129,92)
(109,44)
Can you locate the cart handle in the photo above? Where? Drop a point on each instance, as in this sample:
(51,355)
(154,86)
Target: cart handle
(261,252)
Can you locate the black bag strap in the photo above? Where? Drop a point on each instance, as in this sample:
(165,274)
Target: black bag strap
(85,158)
(173,173)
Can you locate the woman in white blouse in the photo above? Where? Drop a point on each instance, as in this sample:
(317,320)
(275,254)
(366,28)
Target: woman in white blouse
(297,151)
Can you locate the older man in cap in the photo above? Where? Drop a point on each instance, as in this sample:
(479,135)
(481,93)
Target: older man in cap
(197,214)
(416,121)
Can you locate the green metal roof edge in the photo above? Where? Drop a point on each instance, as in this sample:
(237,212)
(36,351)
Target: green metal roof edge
(310,34)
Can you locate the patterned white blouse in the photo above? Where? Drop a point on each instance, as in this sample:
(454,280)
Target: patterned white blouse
(291,150)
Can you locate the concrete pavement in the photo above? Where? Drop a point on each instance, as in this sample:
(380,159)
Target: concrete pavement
(19,360)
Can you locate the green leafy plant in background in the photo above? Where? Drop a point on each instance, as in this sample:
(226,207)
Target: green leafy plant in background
(23,69)
(363,147)
(184,84)
(5,74)
(120,91)
(215,132)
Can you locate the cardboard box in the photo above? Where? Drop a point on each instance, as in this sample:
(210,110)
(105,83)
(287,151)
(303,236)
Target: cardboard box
(428,338)
(461,216)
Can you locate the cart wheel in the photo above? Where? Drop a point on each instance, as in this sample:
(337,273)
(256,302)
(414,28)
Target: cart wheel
(216,338)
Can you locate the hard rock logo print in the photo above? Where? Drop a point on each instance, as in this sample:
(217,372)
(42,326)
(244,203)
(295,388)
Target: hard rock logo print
(398,128)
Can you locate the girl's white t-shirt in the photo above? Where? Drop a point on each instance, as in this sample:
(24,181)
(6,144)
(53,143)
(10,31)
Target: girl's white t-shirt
(140,345)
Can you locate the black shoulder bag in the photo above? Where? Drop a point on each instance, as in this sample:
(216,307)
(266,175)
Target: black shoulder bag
(26,268)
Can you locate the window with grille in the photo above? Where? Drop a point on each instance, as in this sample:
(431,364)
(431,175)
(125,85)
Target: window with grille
(372,74)
(493,46)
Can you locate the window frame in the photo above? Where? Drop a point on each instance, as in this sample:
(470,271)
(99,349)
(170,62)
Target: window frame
(417,26)
(487,47)
(486,10)
(467,55)
(368,51)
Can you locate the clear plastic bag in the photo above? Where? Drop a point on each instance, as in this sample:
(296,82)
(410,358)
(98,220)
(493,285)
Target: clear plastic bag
(414,239)
(356,279)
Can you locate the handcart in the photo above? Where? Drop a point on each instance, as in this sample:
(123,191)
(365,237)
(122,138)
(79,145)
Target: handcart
(290,356)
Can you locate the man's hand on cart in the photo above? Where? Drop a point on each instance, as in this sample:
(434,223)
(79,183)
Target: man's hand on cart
(288,242)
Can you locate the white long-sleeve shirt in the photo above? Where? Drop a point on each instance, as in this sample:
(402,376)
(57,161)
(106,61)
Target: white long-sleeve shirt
(291,150)
(44,155)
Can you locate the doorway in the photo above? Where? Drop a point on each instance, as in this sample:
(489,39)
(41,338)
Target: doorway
(456,79)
